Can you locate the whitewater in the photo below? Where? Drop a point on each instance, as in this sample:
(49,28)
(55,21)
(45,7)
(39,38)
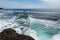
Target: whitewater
(38,29)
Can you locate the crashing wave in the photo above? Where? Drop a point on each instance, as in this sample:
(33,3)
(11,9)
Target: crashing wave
(19,22)
(22,24)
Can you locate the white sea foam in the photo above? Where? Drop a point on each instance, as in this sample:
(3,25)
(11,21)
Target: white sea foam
(5,24)
(48,24)
(56,37)
(28,30)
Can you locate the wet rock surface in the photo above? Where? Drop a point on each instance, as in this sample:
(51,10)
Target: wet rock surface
(10,34)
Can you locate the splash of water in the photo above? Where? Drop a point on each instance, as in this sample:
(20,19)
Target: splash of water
(7,22)
(39,29)
(45,29)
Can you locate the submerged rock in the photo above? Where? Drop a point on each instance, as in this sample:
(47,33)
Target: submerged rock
(10,34)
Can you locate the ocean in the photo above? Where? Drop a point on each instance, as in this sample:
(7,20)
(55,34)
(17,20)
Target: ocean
(41,24)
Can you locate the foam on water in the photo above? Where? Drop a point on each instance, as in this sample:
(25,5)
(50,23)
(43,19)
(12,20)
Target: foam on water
(45,29)
(39,29)
(10,23)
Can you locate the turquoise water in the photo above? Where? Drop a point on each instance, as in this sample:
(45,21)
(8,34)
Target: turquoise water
(45,29)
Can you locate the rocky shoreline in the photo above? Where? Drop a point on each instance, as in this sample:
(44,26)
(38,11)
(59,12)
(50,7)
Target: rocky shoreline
(10,34)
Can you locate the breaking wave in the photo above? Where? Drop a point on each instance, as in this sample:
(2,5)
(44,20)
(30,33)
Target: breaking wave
(38,29)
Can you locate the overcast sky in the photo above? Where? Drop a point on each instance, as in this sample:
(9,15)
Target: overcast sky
(30,3)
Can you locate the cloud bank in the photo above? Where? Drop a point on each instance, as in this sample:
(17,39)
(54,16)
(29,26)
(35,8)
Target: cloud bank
(56,2)
(25,4)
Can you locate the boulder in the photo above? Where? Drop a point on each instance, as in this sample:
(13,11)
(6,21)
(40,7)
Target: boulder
(10,34)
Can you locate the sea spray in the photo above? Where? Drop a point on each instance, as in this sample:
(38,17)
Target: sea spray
(39,29)
(16,24)
(46,29)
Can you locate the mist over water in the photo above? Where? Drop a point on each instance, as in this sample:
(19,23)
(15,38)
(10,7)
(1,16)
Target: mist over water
(39,29)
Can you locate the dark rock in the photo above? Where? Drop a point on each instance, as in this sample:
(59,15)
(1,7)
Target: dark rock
(1,8)
(10,34)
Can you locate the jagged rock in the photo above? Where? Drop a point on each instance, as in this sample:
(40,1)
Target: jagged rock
(10,34)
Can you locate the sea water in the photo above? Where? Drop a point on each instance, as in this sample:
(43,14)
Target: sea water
(39,29)
(46,29)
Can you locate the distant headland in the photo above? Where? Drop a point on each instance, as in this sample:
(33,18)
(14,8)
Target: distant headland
(1,8)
